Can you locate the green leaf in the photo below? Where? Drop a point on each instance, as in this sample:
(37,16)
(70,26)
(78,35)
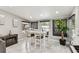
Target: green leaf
(61,25)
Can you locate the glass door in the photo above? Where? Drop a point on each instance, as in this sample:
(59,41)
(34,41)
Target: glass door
(45,26)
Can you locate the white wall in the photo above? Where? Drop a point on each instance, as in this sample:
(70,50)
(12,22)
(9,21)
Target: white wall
(8,24)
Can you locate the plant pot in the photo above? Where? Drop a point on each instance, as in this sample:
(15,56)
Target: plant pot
(62,42)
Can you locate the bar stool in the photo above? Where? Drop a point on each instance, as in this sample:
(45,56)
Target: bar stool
(28,42)
(32,39)
(38,40)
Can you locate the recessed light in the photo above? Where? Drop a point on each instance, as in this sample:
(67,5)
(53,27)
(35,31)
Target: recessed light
(16,20)
(57,12)
(30,16)
(1,15)
(41,14)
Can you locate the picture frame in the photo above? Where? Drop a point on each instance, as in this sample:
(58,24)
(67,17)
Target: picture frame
(15,22)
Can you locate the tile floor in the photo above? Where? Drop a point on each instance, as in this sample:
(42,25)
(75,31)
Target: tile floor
(53,46)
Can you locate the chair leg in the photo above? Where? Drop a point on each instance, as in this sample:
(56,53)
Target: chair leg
(44,43)
(40,44)
(28,45)
(35,42)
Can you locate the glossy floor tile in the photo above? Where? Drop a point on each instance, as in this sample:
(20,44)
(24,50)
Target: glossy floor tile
(52,46)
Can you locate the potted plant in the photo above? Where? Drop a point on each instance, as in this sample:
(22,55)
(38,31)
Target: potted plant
(62,28)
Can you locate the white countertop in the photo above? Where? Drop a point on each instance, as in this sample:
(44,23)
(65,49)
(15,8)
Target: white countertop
(35,31)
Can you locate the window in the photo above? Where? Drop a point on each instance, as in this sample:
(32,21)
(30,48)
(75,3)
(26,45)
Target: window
(55,28)
(34,25)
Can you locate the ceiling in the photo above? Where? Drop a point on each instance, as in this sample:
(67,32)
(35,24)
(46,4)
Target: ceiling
(34,13)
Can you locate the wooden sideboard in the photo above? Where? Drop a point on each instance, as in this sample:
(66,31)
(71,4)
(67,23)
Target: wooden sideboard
(10,39)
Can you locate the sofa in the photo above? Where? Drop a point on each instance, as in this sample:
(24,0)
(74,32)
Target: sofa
(2,46)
